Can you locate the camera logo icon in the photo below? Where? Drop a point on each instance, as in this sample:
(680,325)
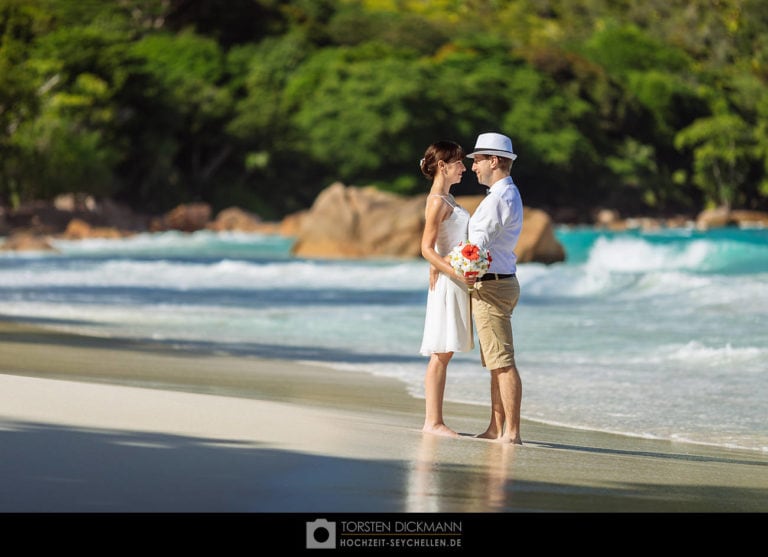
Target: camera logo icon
(321,534)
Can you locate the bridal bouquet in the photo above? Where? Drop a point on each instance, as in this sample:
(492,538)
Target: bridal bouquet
(470,260)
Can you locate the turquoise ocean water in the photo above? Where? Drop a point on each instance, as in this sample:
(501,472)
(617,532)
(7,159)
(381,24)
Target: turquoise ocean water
(660,335)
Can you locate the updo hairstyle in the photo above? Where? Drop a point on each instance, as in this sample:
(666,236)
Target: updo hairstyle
(446,151)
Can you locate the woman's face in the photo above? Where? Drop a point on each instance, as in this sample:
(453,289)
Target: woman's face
(454,171)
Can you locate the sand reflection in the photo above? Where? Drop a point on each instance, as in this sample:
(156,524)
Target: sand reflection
(464,475)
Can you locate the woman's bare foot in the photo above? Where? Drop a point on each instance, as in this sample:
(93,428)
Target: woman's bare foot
(440,429)
(488,434)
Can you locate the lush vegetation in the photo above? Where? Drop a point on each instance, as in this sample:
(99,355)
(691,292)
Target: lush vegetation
(653,106)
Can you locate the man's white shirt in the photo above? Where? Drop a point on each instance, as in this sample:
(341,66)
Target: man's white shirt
(496,225)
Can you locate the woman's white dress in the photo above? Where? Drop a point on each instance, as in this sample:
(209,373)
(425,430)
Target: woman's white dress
(447,325)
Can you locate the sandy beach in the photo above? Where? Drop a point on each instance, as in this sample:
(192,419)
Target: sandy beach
(113,426)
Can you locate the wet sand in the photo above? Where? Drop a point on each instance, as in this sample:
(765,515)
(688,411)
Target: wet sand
(102,426)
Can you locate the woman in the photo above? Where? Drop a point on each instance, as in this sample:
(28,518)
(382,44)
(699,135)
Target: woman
(447,324)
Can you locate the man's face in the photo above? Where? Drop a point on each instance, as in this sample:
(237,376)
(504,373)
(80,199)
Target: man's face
(481,166)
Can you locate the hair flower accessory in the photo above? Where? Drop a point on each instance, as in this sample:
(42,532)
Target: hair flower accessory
(470,260)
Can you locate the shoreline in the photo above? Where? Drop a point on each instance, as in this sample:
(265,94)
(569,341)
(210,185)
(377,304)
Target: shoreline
(247,434)
(240,385)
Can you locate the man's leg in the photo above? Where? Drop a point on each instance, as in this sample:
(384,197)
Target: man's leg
(496,426)
(493,312)
(511,395)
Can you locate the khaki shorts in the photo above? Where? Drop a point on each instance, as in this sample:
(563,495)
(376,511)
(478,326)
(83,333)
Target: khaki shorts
(492,305)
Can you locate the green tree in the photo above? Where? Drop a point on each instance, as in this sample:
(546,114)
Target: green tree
(761,151)
(728,147)
(656,105)
(359,115)
(261,125)
(183,141)
(656,79)
(64,148)
(19,23)
(721,145)
(65,141)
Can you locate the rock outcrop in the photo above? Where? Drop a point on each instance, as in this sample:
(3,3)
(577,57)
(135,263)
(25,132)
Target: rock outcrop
(189,217)
(344,222)
(538,243)
(78,229)
(722,216)
(237,219)
(351,222)
(24,241)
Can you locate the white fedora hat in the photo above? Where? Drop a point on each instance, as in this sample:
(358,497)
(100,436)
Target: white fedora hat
(493,144)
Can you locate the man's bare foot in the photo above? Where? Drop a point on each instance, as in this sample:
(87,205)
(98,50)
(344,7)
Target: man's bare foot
(512,440)
(440,429)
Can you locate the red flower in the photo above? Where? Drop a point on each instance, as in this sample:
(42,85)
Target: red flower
(471,252)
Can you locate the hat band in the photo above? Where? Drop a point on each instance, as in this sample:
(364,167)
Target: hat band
(497,152)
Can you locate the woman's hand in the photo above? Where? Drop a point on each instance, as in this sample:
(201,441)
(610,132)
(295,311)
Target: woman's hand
(433,274)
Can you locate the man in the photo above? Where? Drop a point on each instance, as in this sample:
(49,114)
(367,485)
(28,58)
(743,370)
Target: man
(496,225)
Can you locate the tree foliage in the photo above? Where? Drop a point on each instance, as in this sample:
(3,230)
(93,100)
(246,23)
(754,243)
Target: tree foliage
(648,107)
